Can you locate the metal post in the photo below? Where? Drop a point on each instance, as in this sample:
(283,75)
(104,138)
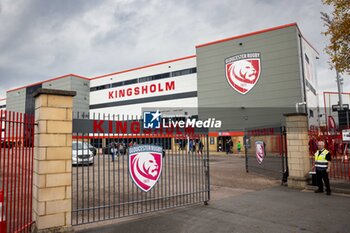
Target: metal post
(339,90)
(246,154)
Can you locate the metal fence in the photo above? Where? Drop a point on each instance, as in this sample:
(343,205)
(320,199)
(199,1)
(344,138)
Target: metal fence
(16,171)
(107,187)
(339,149)
(266,152)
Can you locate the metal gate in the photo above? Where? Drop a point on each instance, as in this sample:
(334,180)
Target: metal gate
(104,187)
(266,152)
(339,149)
(16,171)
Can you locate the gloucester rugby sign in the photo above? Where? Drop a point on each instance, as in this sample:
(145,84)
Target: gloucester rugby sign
(243,71)
(145,165)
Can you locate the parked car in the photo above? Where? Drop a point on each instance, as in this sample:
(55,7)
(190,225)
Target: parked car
(119,146)
(92,149)
(81,154)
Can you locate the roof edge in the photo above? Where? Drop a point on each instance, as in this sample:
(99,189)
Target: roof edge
(48,80)
(143,67)
(248,34)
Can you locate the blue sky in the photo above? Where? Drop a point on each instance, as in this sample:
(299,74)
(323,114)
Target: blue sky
(46,39)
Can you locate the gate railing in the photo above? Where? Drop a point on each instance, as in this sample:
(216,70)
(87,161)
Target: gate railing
(266,152)
(103,180)
(16,171)
(340,152)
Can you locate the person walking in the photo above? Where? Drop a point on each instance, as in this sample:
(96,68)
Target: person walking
(239,146)
(200,147)
(190,146)
(322,165)
(227,146)
(113,150)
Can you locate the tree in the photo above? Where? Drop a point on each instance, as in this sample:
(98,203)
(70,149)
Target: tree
(338,31)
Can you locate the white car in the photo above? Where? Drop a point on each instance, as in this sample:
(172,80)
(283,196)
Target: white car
(81,154)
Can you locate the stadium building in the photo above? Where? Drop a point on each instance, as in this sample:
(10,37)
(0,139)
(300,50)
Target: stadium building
(245,81)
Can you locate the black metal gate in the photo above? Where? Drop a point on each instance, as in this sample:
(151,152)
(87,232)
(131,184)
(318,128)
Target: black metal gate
(105,186)
(266,152)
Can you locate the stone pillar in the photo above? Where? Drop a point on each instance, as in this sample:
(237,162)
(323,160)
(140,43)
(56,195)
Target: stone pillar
(52,161)
(297,149)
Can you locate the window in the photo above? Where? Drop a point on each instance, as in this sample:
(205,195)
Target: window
(118,84)
(312,89)
(311,113)
(307,59)
(128,82)
(102,87)
(184,72)
(154,77)
(146,79)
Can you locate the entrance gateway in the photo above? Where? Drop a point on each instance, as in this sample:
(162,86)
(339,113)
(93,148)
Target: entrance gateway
(123,169)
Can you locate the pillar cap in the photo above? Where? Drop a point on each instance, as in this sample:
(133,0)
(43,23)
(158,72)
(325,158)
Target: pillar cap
(54,92)
(295,114)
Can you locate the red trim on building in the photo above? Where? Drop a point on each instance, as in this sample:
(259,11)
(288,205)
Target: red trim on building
(247,34)
(143,67)
(255,33)
(2,99)
(335,92)
(48,80)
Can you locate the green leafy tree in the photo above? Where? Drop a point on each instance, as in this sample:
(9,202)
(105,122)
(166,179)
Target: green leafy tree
(338,31)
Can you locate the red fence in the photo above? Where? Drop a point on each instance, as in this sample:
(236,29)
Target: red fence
(340,168)
(16,171)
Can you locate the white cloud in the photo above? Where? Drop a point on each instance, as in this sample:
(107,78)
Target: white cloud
(44,39)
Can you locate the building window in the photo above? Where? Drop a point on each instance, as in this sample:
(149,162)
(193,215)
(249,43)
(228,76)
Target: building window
(307,59)
(129,82)
(184,72)
(311,113)
(146,79)
(312,89)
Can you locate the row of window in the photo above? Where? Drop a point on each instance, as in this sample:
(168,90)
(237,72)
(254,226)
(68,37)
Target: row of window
(3,106)
(146,79)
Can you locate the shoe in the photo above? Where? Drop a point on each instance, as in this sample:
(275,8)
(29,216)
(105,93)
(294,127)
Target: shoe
(328,193)
(318,191)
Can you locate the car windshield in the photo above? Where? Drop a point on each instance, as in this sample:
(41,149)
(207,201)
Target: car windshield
(79,146)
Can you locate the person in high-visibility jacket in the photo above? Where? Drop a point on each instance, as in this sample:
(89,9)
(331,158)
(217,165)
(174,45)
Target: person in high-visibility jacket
(322,165)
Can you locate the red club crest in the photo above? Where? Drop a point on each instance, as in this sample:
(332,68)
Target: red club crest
(243,71)
(145,165)
(260,151)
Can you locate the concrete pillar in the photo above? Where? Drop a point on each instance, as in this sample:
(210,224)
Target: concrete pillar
(53,161)
(297,149)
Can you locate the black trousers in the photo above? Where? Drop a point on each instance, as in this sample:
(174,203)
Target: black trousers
(322,175)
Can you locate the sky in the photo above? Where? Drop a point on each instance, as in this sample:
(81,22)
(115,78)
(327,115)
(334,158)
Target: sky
(46,39)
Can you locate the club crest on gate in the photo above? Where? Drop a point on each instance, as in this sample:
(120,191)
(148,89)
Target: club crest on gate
(260,151)
(243,71)
(145,165)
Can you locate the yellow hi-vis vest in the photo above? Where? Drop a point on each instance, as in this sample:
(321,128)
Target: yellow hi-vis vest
(320,160)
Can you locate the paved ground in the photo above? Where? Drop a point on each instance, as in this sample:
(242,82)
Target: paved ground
(243,203)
